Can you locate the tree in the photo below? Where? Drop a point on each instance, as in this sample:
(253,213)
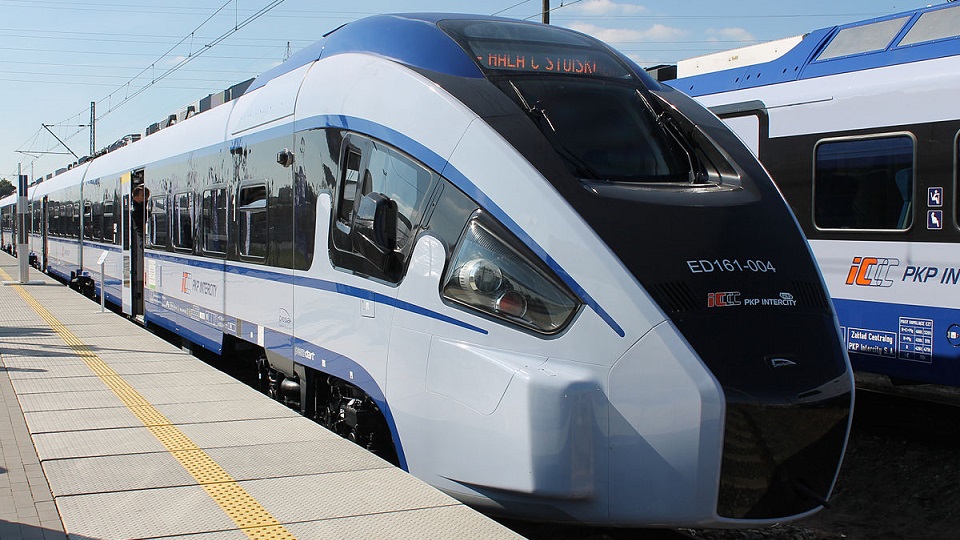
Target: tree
(6,188)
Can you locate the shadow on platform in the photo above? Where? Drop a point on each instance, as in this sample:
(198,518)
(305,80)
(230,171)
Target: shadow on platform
(23,531)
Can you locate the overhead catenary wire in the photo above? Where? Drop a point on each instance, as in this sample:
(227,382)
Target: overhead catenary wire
(242,14)
(551,10)
(518,4)
(192,55)
(156,77)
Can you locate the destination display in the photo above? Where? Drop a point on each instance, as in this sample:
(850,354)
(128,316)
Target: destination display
(567,63)
(529,48)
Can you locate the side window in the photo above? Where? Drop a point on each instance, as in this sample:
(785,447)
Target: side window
(956,181)
(864,183)
(88,220)
(158,221)
(97,225)
(37,218)
(75,220)
(381,197)
(405,182)
(348,187)
(214,221)
(183,221)
(53,219)
(63,216)
(252,218)
(109,222)
(60,211)
(346,200)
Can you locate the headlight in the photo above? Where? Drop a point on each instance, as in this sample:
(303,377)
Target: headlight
(494,274)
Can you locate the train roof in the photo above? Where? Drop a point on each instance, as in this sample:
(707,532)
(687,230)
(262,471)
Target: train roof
(911,36)
(63,180)
(417,40)
(412,39)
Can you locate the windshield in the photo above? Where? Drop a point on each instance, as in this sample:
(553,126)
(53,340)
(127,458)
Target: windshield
(604,130)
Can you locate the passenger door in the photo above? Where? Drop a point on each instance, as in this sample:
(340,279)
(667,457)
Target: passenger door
(126,234)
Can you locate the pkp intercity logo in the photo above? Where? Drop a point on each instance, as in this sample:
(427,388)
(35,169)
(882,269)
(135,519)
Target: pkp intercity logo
(191,285)
(723,299)
(871,271)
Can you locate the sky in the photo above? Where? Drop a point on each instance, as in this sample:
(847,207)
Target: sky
(58,56)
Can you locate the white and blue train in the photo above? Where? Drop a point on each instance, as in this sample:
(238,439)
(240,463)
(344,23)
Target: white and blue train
(498,254)
(859,126)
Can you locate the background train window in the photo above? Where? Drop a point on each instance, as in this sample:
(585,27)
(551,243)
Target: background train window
(214,221)
(158,221)
(863,38)
(933,25)
(864,183)
(252,222)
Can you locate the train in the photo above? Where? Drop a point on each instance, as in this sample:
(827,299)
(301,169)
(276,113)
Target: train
(8,226)
(496,253)
(856,125)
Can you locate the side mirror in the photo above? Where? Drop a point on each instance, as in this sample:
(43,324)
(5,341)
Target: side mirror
(375,229)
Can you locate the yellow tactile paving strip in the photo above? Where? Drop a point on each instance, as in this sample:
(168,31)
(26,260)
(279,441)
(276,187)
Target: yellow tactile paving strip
(252,518)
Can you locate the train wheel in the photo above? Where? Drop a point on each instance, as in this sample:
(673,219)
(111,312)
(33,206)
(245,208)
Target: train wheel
(349,412)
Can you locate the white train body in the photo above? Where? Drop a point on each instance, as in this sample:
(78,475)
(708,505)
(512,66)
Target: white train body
(492,336)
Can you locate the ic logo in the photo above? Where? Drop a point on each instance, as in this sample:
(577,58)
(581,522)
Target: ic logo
(723,299)
(871,271)
(183,284)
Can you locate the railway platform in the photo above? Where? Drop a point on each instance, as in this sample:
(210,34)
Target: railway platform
(108,432)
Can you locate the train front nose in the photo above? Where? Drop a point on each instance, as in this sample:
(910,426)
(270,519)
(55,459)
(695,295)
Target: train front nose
(781,460)
(746,421)
(788,394)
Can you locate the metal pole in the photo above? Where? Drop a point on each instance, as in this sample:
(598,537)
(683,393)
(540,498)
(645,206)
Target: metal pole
(23,229)
(103,282)
(93,128)
(546,11)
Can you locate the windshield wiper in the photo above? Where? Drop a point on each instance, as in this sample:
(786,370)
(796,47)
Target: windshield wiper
(669,127)
(540,116)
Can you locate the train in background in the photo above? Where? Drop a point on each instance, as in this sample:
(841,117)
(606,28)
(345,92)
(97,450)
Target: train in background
(858,125)
(496,253)
(8,224)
